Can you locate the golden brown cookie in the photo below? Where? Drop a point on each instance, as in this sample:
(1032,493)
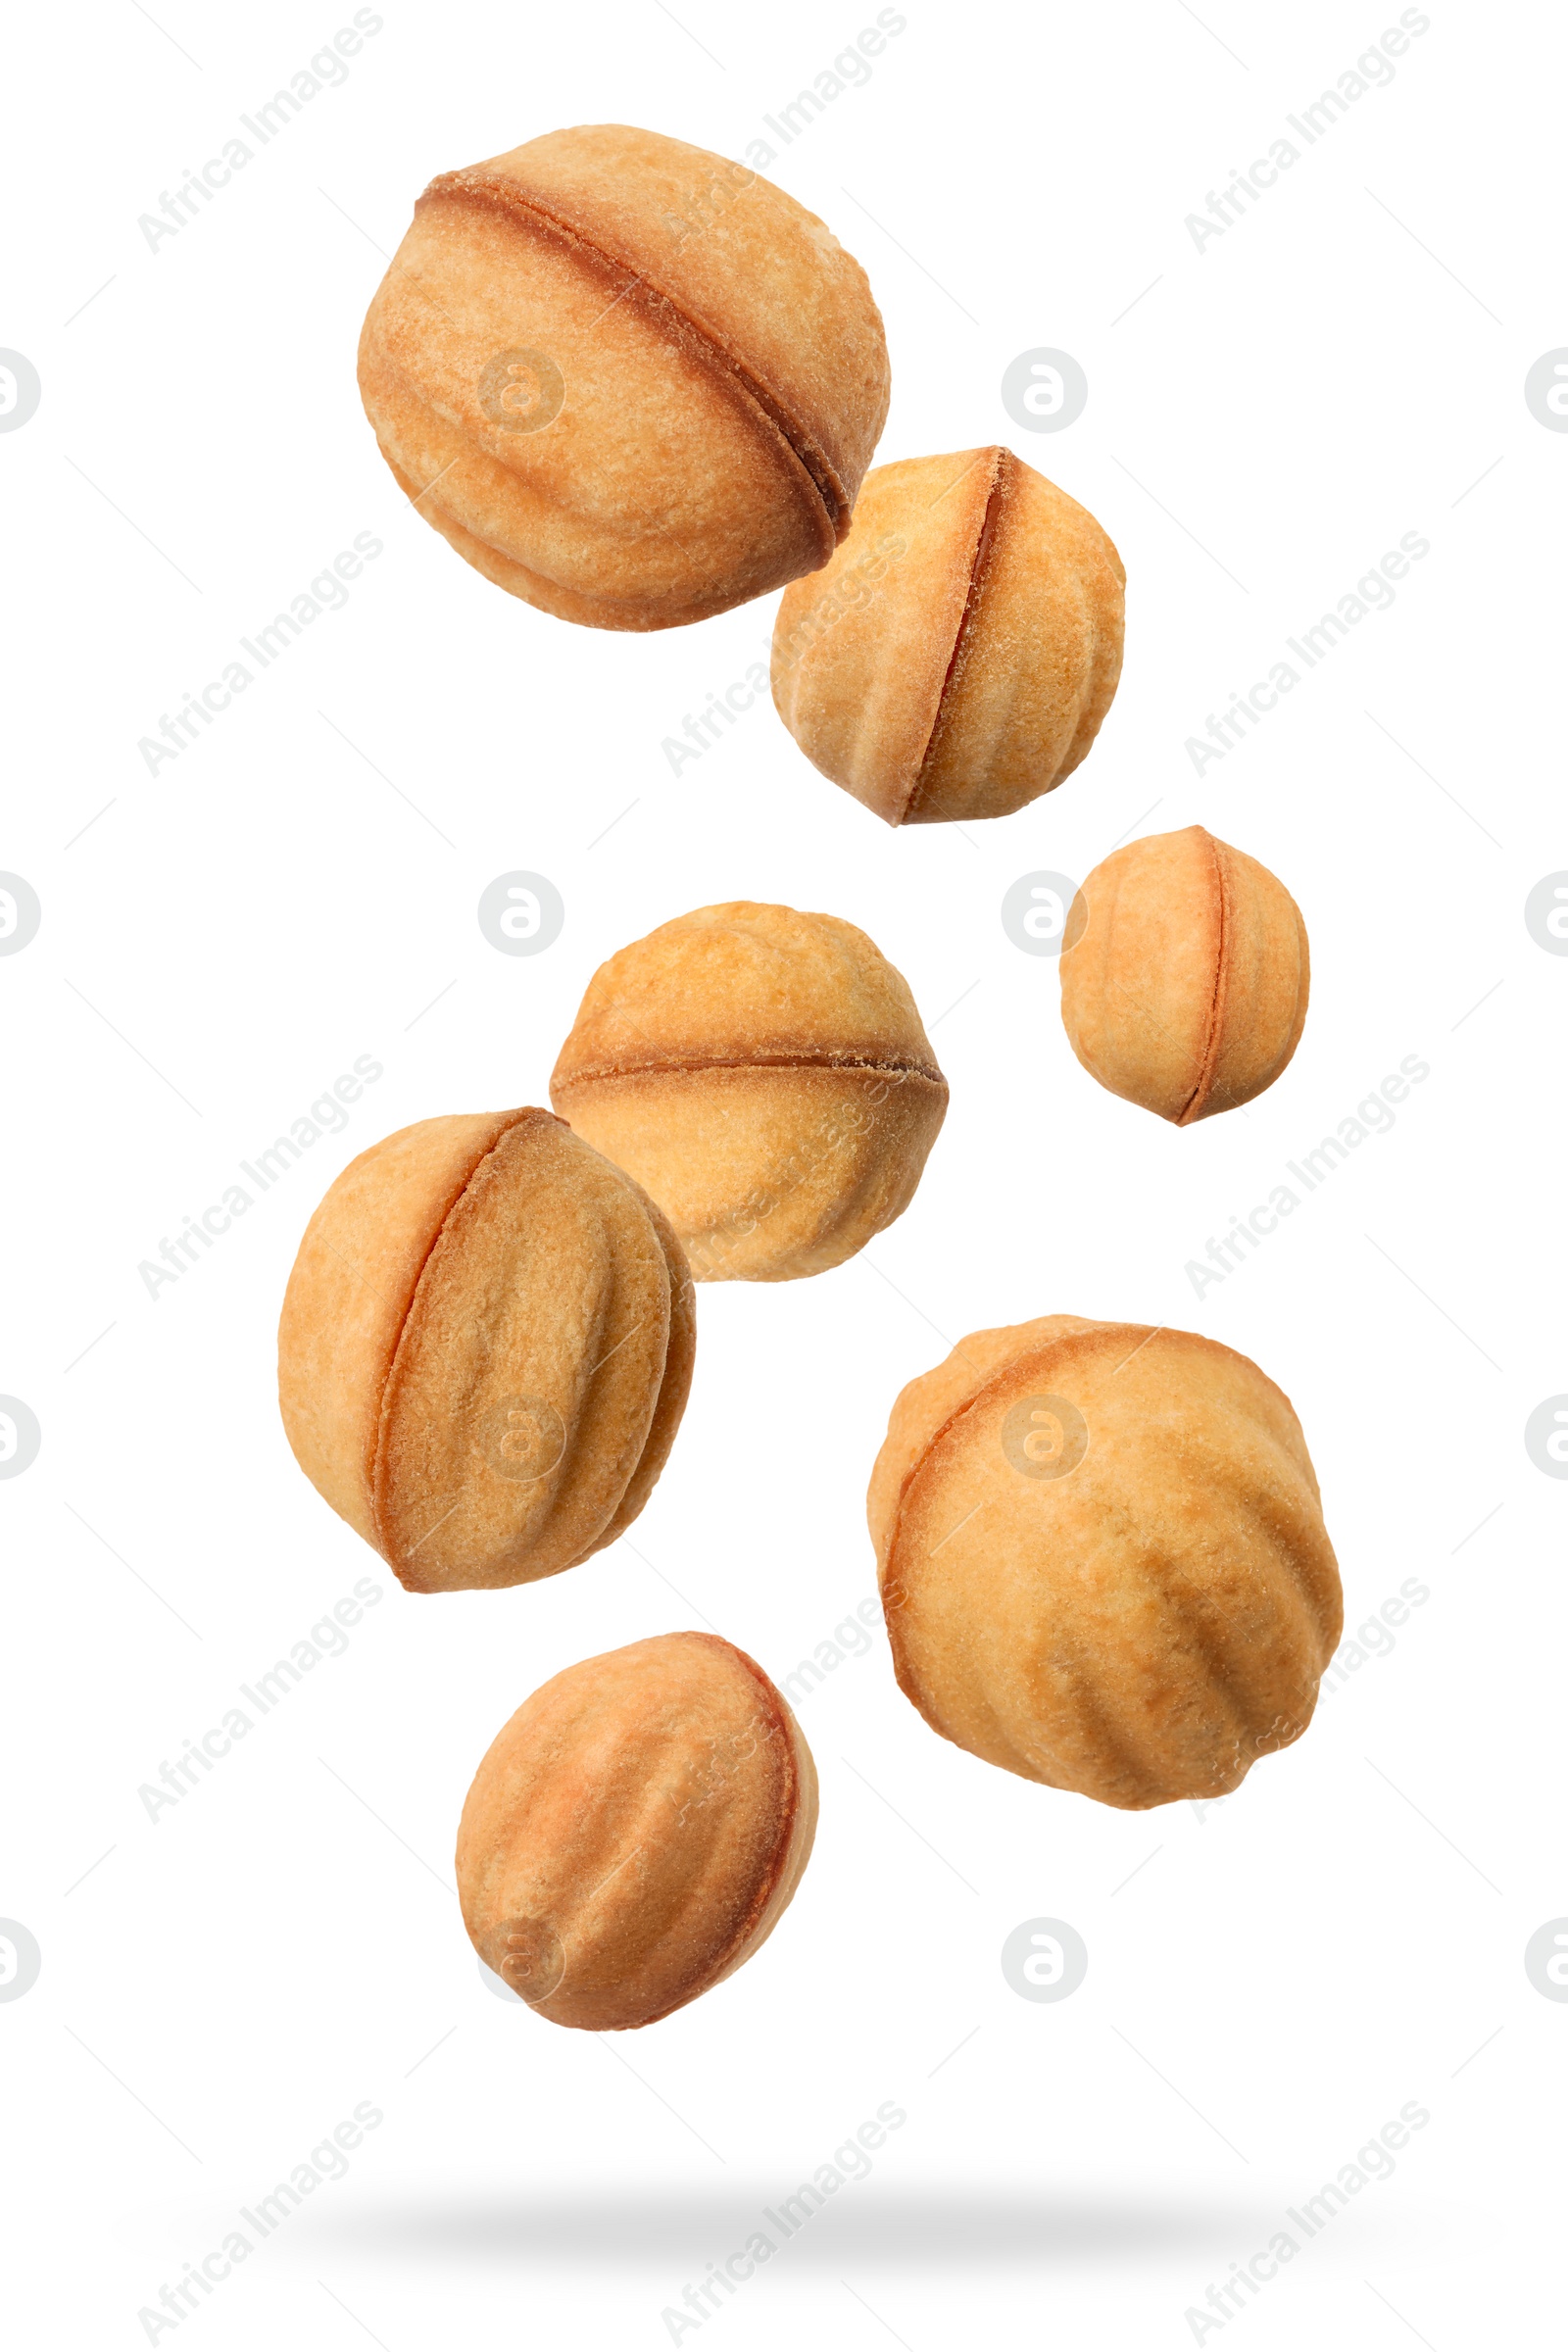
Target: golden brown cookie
(485,1349)
(957,656)
(764,1076)
(636,1832)
(628,382)
(1184,975)
(1102,1559)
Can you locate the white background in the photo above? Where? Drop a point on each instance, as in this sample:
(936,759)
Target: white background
(1283,1974)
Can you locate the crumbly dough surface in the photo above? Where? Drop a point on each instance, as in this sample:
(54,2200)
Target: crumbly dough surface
(1185,975)
(628,382)
(485,1349)
(1102,1559)
(764,1076)
(636,1830)
(957,656)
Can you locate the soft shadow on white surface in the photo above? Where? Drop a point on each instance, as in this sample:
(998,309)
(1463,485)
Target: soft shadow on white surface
(925,2229)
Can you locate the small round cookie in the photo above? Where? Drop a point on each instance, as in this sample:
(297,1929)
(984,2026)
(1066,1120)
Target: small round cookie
(636,1832)
(1184,975)
(630,383)
(1102,1559)
(957,656)
(764,1076)
(485,1349)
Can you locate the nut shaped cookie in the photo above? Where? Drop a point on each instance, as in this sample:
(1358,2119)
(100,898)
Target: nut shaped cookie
(1184,975)
(957,656)
(485,1349)
(1102,1559)
(636,1832)
(630,383)
(764,1076)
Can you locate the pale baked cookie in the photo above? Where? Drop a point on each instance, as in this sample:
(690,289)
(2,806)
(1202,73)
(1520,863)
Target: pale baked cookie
(629,382)
(485,1349)
(764,1076)
(636,1832)
(958,654)
(1184,975)
(1102,1559)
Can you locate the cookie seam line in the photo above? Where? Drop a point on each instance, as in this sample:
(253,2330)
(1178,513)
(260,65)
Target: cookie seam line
(1203,1086)
(979,564)
(893,1067)
(510,198)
